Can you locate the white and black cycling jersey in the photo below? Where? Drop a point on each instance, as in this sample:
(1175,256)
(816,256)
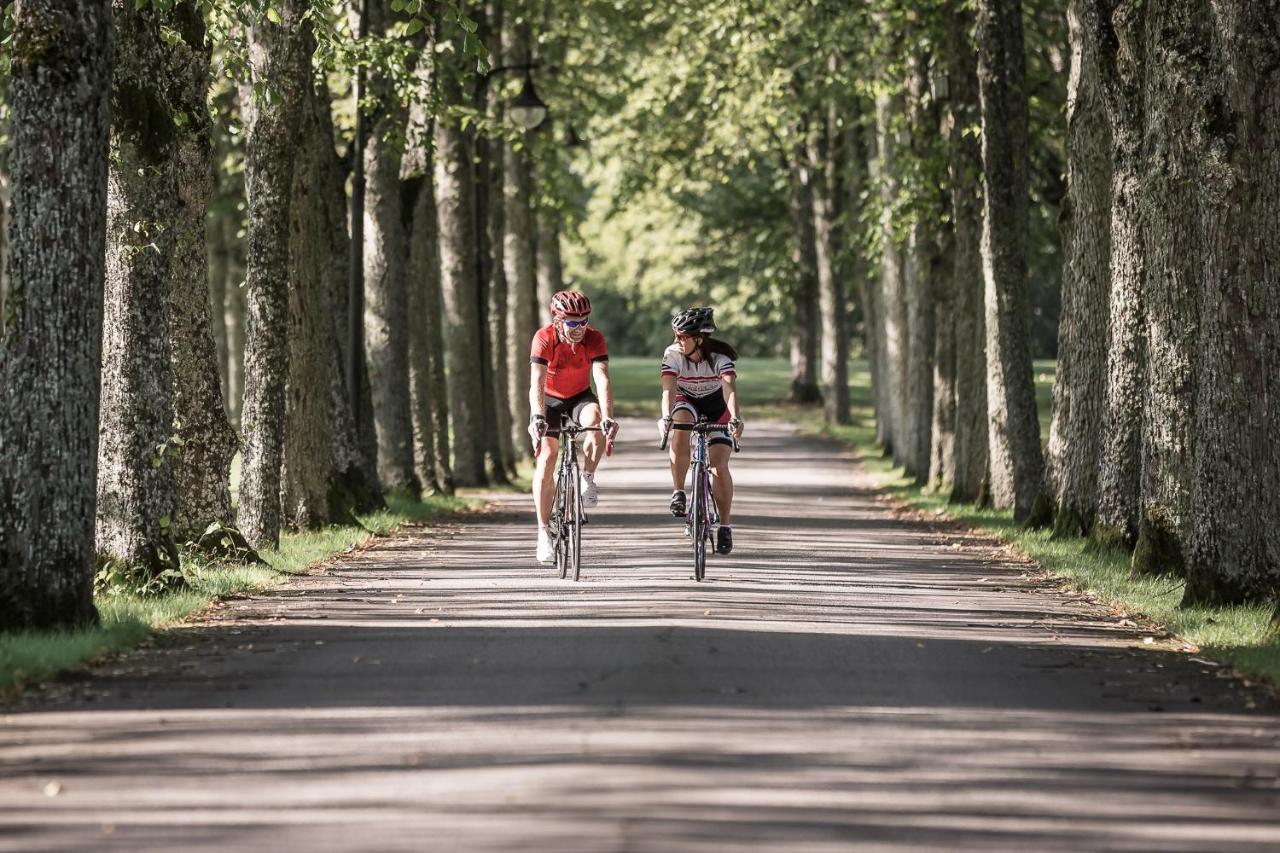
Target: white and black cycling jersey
(700,378)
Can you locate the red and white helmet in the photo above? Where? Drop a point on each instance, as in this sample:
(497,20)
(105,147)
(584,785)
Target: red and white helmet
(569,303)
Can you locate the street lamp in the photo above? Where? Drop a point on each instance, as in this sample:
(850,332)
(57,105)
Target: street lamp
(528,109)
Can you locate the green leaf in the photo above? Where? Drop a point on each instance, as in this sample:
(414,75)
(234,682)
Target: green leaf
(415,26)
(272,15)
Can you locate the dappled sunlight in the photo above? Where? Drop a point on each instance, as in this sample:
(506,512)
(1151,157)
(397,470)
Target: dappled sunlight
(845,678)
(567,777)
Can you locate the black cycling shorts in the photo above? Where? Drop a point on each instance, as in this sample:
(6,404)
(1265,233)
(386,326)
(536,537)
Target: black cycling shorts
(713,407)
(555,408)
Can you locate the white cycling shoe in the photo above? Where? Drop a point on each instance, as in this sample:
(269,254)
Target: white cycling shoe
(590,495)
(546,548)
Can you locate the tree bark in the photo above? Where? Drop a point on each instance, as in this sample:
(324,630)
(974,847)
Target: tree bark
(455,205)
(272,133)
(824,159)
(207,443)
(427,381)
(234,319)
(219,262)
(5,194)
(1119,29)
(550,263)
(1017,465)
(965,170)
(1080,385)
(137,493)
(520,256)
(386,311)
(322,482)
(804,289)
(922,260)
(50,362)
(1177,92)
(891,298)
(942,447)
(491,170)
(1234,544)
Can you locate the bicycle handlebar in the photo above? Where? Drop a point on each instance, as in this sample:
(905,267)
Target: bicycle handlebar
(571,430)
(701,427)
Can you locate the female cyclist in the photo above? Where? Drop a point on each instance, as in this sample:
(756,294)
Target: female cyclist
(699,378)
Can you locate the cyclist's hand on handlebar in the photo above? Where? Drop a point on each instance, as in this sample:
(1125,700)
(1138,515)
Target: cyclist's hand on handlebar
(736,426)
(537,428)
(664,424)
(610,427)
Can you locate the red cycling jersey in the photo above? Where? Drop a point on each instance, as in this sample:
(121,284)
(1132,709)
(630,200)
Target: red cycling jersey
(568,367)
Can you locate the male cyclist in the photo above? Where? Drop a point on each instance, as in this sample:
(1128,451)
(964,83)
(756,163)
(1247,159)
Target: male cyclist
(699,378)
(565,356)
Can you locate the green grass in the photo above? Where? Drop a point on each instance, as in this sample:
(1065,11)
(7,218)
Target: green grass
(126,620)
(1237,635)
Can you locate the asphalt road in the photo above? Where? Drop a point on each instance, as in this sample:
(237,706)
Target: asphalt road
(849,678)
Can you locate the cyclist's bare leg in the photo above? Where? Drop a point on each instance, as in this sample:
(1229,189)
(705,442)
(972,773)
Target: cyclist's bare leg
(722,480)
(544,480)
(592,442)
(679,448)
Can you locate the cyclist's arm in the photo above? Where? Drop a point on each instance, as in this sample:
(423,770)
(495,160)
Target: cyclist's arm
(730,381)
(668,395)
(537,389)
(604,387)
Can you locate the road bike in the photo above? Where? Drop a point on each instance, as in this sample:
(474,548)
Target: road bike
(702,516)
(567,514)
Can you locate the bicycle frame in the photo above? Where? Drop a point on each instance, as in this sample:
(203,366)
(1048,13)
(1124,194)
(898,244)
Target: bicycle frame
(567,513)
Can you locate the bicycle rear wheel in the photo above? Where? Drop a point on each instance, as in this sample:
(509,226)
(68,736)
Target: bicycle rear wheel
(699,508)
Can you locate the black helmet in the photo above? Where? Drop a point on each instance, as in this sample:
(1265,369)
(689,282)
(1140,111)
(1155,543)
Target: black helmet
(694,321)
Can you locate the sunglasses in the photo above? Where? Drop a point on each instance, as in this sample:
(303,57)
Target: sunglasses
(573,324)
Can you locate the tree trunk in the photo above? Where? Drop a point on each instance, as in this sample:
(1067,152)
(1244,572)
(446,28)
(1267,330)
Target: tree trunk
(942,448)
(1178,77)
(891,299)
(922,258)
(455,205)
(804,292)
(1234,544)
(550,264)
(5,193)
(207,442)
(50,363)
(965,171)
(272,131)
(234,319)
(1080,385)
(498,315)
(824,159)
(319,457)
(426,347)
(520,256)
(137,493)
(1017,465)
(1119,41)
(427,382)
(386,308)
(219,262)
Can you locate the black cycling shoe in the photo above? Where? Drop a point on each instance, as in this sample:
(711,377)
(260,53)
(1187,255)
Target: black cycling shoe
(678,508)
(724,540)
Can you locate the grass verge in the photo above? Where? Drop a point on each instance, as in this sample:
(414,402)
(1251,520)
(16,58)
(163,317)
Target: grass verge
(1235,635)
(125,619)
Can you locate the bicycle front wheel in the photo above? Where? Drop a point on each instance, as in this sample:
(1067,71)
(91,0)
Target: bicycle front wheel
(576,531)
(561,521)
(699,525)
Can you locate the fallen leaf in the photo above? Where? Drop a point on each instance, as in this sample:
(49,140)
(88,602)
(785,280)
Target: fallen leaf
(53,789)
